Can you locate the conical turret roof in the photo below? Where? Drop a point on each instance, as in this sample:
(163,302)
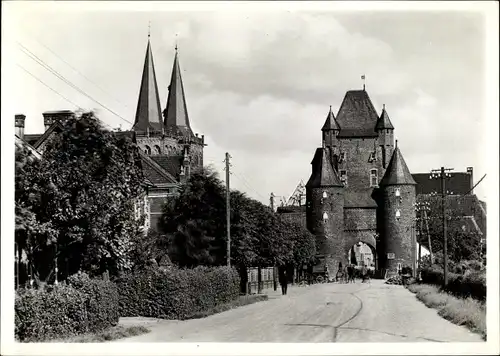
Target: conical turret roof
(323,173)
(397,173)
(384,122)
(148,114)
(330,123)
(176,114)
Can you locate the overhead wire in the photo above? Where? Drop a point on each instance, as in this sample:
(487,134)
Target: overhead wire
(76,70)
(55,91)
(44,65)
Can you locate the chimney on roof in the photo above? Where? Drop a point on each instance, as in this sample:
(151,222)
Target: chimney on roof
(20,118)
(49,117)
(471,180)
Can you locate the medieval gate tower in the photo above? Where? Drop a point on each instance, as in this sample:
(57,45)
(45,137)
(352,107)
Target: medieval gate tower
(360,189)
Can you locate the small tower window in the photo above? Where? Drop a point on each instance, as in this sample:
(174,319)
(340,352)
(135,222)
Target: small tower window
(157,150)
(147,150)
(343,176)
(373,157)
(373,178)
(325,216)
(342,156)
(325,195)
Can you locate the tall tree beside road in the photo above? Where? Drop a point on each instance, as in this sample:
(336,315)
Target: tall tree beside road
(196,225)
(83,188)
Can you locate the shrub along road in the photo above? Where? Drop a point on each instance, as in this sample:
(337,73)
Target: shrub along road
(321,313)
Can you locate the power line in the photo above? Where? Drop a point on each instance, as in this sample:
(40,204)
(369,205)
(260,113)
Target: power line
(55,91)
(475,185)
(39,61)
(76,70)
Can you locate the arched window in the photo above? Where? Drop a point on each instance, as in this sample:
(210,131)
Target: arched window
(158,150)
(325,216)
(147,150)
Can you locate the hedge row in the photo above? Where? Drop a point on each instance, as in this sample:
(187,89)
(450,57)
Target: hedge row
(470,284)
(81,305)
(176,293)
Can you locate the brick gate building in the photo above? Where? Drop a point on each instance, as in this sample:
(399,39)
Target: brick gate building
(360,189)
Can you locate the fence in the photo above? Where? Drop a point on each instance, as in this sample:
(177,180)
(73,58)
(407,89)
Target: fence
(267,279)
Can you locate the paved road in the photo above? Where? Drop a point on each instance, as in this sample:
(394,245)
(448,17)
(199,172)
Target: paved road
(358,312)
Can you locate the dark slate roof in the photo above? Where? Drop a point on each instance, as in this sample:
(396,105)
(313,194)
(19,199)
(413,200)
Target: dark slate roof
(361,198)
(32,138)
(459,183)
(56,126)
(330,123)
(154,173)
(175,113)
(148,113)
(384,122)
(171,164)
(356,115)
(397,172)
(466,224)
(461,205)
(323,173)
(20,143)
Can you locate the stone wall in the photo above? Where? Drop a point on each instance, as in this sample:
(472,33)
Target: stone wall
(396,234)
(329,232)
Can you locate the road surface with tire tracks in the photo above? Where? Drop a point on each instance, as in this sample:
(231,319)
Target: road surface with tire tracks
(332,312)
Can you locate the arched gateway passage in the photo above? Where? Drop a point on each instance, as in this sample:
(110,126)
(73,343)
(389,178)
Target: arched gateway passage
(362,254)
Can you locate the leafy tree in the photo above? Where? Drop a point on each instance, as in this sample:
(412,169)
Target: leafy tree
(304,243)
(195,222)
(81,193)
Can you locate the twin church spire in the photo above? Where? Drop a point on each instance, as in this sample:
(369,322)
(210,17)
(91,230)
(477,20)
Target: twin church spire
(148,116)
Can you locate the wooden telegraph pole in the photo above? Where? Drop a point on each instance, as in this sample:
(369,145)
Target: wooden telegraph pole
(228,211)
(442,174)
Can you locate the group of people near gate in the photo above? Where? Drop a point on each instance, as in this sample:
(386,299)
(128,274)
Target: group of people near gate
(348,274)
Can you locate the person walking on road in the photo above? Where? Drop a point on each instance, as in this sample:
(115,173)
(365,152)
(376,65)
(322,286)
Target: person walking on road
(364,274)
(350,273)
(283,280)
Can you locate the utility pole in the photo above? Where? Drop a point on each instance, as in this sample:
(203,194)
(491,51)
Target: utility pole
(228,211)
(271,200)
(426,219)
(442,174)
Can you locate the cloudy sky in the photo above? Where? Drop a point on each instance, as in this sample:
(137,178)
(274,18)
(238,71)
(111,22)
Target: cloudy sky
(259,80)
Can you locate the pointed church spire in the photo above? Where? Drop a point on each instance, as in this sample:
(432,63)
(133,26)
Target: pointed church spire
(148,114)
(397,173)
(175,114)
(331,123)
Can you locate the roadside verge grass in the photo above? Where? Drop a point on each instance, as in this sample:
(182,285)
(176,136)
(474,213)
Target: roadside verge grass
(113,333)
(467,312)
(241,301)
